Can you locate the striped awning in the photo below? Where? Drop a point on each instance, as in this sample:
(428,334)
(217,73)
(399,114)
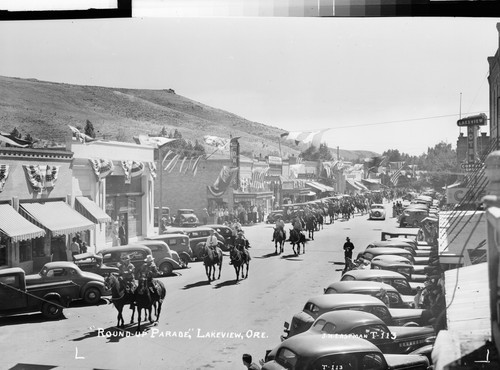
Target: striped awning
(16,226)
(56,217)
(91,210)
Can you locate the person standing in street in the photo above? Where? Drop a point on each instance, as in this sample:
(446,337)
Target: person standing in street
(348,247)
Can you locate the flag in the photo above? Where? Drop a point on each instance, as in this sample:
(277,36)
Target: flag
(305,137)
(396,175)
(80,136)
(216,141)
(222,182)
(155,141)
(372,164)
(13,141)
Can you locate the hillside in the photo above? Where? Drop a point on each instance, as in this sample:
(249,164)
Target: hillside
(44,109)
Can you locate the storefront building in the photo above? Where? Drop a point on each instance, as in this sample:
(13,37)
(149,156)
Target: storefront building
(36,219)
(113,185)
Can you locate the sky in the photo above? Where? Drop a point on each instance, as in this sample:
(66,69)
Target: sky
(375,83)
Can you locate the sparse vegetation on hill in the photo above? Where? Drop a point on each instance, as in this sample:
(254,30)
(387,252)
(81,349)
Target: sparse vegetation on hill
(45,109)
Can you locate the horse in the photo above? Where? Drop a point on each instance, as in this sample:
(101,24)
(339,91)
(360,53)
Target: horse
(239,258)
(310,226)
(279,237)
(158,297)
(120,297)
(144,301)
(320,221)
(212,259)
(297,238)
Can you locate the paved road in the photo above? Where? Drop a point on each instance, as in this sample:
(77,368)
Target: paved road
(202,326)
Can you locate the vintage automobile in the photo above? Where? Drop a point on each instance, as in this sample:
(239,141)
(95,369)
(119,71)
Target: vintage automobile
(398,264)
(318,305)
(412,216)
(377,212)
(422,258)
(372,288)
(273,216)
(421,250)
(370,253)
(313,352)
(166,259)
(165,215)
(91,285)
(137,253)
(178,242)
(226,232)
(49,298)
(92,262)
(197,238)
(397,280)
(186,218)
(349,323)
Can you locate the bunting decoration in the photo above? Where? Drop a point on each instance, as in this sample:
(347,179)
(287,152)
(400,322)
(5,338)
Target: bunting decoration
(152,169)
(172,163)
(4,173)
(41,177)
(396,175)
(182,164)
(132,169)
(330,168)
(80,136)
(372,164)
(218,142)
(195,165)
(155,141)
(305,137)
(13,141)
(102,167)
(258,175)
(222,182)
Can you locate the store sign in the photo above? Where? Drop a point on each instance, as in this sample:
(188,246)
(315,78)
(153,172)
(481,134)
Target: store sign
(234,156)
(457,195)
(471,144)
(478,120)
(274,161)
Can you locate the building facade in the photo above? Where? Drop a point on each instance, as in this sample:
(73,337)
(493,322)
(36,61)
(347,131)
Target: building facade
(494,82)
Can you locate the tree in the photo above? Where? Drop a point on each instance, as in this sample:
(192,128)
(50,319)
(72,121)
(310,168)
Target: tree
(441,165)
(177,134)
(164,132)
(198,147)
(16,133)
(323,153)
(89,129)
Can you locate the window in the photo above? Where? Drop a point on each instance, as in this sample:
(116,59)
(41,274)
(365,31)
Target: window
(3,250)
(394,298)
(12,280)
(319,322)
(25,253)
(382,313)
(329,328)
(311,307)
(330,291)
(373,361)
(347,278)
(337,362)
(286,358)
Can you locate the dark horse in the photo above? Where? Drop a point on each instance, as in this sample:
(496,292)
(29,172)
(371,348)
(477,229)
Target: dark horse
(211,259)
(120,297)
(158,297)
(144,301)
(279,237)
(311,226)
(239,258)
(297,238)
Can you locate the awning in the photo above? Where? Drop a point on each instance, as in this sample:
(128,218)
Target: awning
(56,217)
(91,210)
(318,186)
(361,185)
(307,193)
(16,226)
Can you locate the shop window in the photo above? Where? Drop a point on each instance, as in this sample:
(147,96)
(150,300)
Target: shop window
(38,247)
(25,251)
(3,250)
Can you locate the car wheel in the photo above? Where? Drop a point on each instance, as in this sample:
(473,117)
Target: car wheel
(52,310)
(92,296)
(166,268)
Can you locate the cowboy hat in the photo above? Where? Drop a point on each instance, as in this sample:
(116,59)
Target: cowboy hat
(149,258)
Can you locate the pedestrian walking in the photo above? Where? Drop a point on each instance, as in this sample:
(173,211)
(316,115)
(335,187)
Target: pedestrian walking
(247,362)
(348,247)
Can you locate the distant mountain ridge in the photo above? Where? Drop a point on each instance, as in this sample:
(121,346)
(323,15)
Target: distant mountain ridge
(45,109)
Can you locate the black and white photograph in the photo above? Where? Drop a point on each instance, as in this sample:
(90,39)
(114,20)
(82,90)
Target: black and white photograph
(186,190)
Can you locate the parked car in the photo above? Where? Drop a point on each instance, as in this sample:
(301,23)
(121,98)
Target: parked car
(197,238)
(318,305)
(178,242)
(398,264)
(92,262)
(226,232)
(397,280)
(273,216)
(422,258)
(137,253)
(377,212)
(349,323)
(186,218)
(166,259)
(165,214)
(313,352)
(411,217)
(91,285)
(49,298)
(370,253)
(371,288)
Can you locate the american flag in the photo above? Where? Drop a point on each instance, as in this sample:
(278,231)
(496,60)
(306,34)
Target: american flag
(258,175)
(395,176)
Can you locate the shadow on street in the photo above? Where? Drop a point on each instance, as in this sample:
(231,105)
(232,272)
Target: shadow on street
(197,284)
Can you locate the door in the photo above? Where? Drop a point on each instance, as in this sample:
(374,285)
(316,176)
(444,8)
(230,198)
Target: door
(123,228)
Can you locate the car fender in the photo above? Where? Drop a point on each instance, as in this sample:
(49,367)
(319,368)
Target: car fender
(173,262)
(56,297)
(96,284)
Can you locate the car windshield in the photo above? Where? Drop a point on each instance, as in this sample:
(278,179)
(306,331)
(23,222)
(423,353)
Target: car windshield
(311,307)
(186,211)
(401,285)
(394,298)
(350,361)
(376,206)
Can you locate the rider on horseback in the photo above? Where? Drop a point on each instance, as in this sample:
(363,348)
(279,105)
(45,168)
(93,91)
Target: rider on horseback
(212,241)
(126,270)
(148,271)
(280,228)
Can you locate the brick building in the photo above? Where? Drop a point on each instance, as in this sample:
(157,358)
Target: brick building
(494,82)
(483,146)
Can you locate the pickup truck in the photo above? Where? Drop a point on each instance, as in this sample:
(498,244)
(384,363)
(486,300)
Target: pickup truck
(48,298)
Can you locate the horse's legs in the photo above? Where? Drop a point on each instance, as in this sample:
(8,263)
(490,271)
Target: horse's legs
(248,265)
(132,306)
(220,268)
(237,270)
(159,310)
(150,311)
(139,309)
